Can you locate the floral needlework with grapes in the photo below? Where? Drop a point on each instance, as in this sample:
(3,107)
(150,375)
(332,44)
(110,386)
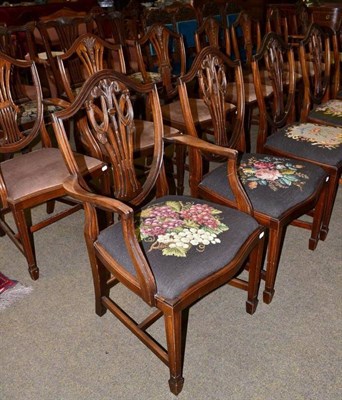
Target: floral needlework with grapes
(329,137)
(276,173)
(331,107)
(175,227)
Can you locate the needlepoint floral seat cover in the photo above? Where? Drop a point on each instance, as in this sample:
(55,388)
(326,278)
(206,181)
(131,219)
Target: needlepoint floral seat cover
(273,184)
(28,111)
(329,112)
(321,143)
(184,240)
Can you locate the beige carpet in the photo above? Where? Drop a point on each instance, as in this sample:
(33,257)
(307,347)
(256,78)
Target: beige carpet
(54,347)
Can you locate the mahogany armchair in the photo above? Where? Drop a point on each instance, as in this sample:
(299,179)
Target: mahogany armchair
(87,55)
(31,171)
(90,54)
(57,36)
(170,252)
(279,189)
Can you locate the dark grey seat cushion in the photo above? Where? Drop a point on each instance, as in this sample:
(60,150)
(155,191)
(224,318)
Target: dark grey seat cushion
(273,184)
(329,112)
(179,258)
(314,142)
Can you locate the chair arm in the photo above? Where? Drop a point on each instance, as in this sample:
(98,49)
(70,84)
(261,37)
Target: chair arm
(74,189)
(145,279)
(203,145)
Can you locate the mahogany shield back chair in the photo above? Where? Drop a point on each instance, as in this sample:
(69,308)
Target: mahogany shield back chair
(34,177)
(87,55)
(279,189)
(212,33)
(161,59)
(279,133)
(58,35)
(245,40)
(319,52)
(170,252)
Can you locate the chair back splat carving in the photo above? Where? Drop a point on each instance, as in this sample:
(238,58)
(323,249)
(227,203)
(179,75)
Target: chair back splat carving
(143,250)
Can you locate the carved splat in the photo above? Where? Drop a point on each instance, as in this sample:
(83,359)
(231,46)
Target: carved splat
(213,85)
(11,135)
(115,133)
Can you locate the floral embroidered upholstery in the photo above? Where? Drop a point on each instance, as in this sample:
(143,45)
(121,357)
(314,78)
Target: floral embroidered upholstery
(319,143)
(330,112)
(155,77)
(181,237)
(28,111)
(276,173)
(175,227)
(273,184)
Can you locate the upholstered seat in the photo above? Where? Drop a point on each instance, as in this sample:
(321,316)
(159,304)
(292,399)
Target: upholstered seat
(173,111)
(40,171)
(28,111)
(329,113)
(314,142)
(273,184)
(189,253)
(143,137)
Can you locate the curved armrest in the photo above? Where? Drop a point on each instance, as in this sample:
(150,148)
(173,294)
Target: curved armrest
(203,145)
(74,189)
(145,279)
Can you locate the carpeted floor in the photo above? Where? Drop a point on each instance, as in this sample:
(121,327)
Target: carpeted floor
(54,347)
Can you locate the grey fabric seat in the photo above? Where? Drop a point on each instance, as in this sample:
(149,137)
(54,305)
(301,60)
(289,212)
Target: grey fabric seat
(329,112)
(314,142)
(276,194)
(174,274)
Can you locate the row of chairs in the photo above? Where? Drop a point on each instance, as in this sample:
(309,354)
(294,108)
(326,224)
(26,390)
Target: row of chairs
(177,249)
(154,250)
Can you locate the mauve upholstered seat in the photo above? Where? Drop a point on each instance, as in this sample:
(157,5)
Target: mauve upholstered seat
(40,171)
(144,134)
(173,111)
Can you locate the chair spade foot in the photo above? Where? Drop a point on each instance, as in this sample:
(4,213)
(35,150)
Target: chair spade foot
(268,295)
(176,385)
(34,272)
(251,306)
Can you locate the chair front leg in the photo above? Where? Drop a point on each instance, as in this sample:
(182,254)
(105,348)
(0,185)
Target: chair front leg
(254,274)
(23,222)
(274,247)
(173,328)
